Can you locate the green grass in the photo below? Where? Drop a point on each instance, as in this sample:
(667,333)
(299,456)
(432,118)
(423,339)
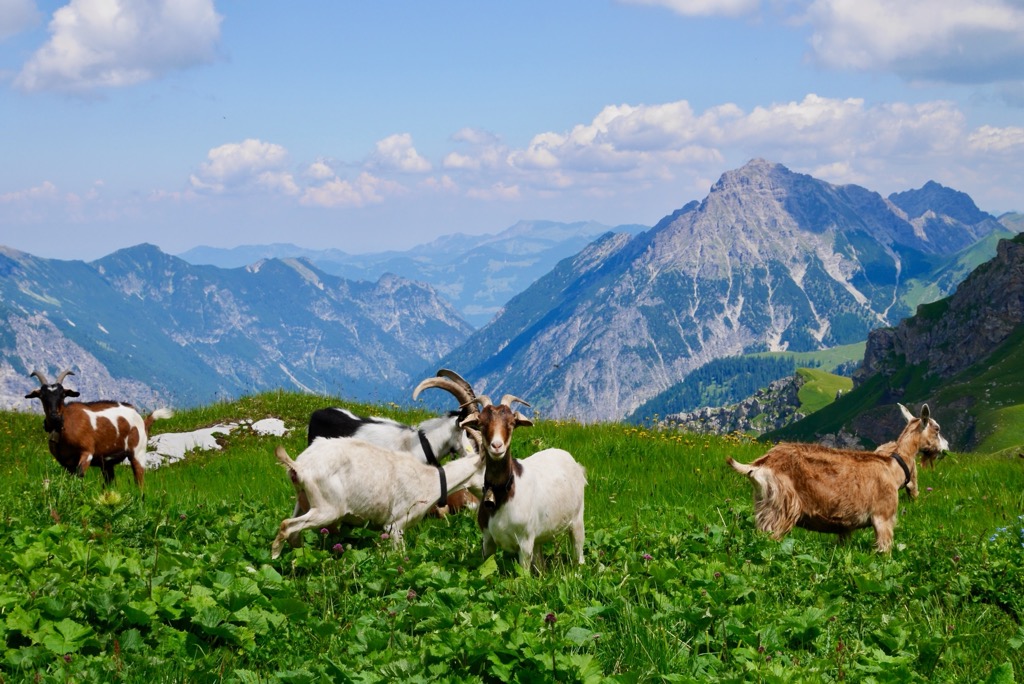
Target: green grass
(820,388)
(178,586)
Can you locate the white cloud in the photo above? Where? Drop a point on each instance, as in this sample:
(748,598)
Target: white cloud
(990,139)
(117,43)
(44,191)
(238,167)
(16,16)
(980,41)
(320,170)
(364,190)
(396,153)
(704,8)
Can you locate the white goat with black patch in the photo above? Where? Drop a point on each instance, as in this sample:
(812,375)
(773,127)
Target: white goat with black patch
(427,442)
(354,482)
(528,502)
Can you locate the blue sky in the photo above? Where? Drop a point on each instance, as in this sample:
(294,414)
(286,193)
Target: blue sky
(371,126)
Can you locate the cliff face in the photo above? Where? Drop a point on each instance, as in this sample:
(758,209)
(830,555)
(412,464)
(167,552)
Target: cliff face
(767,409)
(953,334)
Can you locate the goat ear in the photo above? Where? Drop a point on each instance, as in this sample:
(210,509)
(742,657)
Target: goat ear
(34,394)
(71,393)
(473,421)
(906,412)
(522,421)
(925,414)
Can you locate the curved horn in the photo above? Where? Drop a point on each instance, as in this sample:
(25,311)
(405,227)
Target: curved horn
(483,400)
(42,378)
(457,390)
(509,398)
(456,378)
(60,378)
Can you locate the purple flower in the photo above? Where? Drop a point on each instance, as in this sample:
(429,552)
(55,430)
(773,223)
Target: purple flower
(550,618)
(182,517)
(324,531)
(338,548)
(647,557)
(385,535)
(411,596)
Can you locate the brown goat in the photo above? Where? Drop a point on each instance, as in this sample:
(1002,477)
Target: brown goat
(838,490)
(97,433)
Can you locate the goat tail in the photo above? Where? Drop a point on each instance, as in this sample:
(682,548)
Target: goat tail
(776,503)
(159,414)
(286,460)
(741,468)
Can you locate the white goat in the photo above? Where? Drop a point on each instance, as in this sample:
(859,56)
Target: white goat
(527,502)
(427,442)
(354,482)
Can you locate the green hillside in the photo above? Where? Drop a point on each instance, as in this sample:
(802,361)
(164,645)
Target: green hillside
(179,586)
(820,388)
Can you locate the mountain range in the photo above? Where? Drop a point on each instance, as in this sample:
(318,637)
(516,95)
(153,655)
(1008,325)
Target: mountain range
(769,260)
(477,273)
(146,327)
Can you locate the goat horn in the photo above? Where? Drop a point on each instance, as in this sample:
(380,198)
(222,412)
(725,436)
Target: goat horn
(457,390)
(483,400)
(509,398)
(63,375)
(456,378)
(42,378)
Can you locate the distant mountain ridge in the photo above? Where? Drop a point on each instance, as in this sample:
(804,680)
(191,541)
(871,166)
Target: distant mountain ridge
(477,273)
(147,327)
(770,260)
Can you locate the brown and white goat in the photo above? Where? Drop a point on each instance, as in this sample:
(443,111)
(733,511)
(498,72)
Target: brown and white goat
(838,490)
(527,502)
(96,433)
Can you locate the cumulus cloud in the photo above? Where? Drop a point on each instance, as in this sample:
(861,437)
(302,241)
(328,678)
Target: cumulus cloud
(43,191)
(396,153)
(365,189)
(116,43)
(981,41)
(704,8)
(241,167)
(990,139)
(16,16)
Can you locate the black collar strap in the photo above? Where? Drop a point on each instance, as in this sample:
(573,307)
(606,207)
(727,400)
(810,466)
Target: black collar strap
(443,501)
(428,451)
(904,468)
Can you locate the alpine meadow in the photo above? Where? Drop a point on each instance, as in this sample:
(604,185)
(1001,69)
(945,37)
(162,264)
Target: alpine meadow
(177,584)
